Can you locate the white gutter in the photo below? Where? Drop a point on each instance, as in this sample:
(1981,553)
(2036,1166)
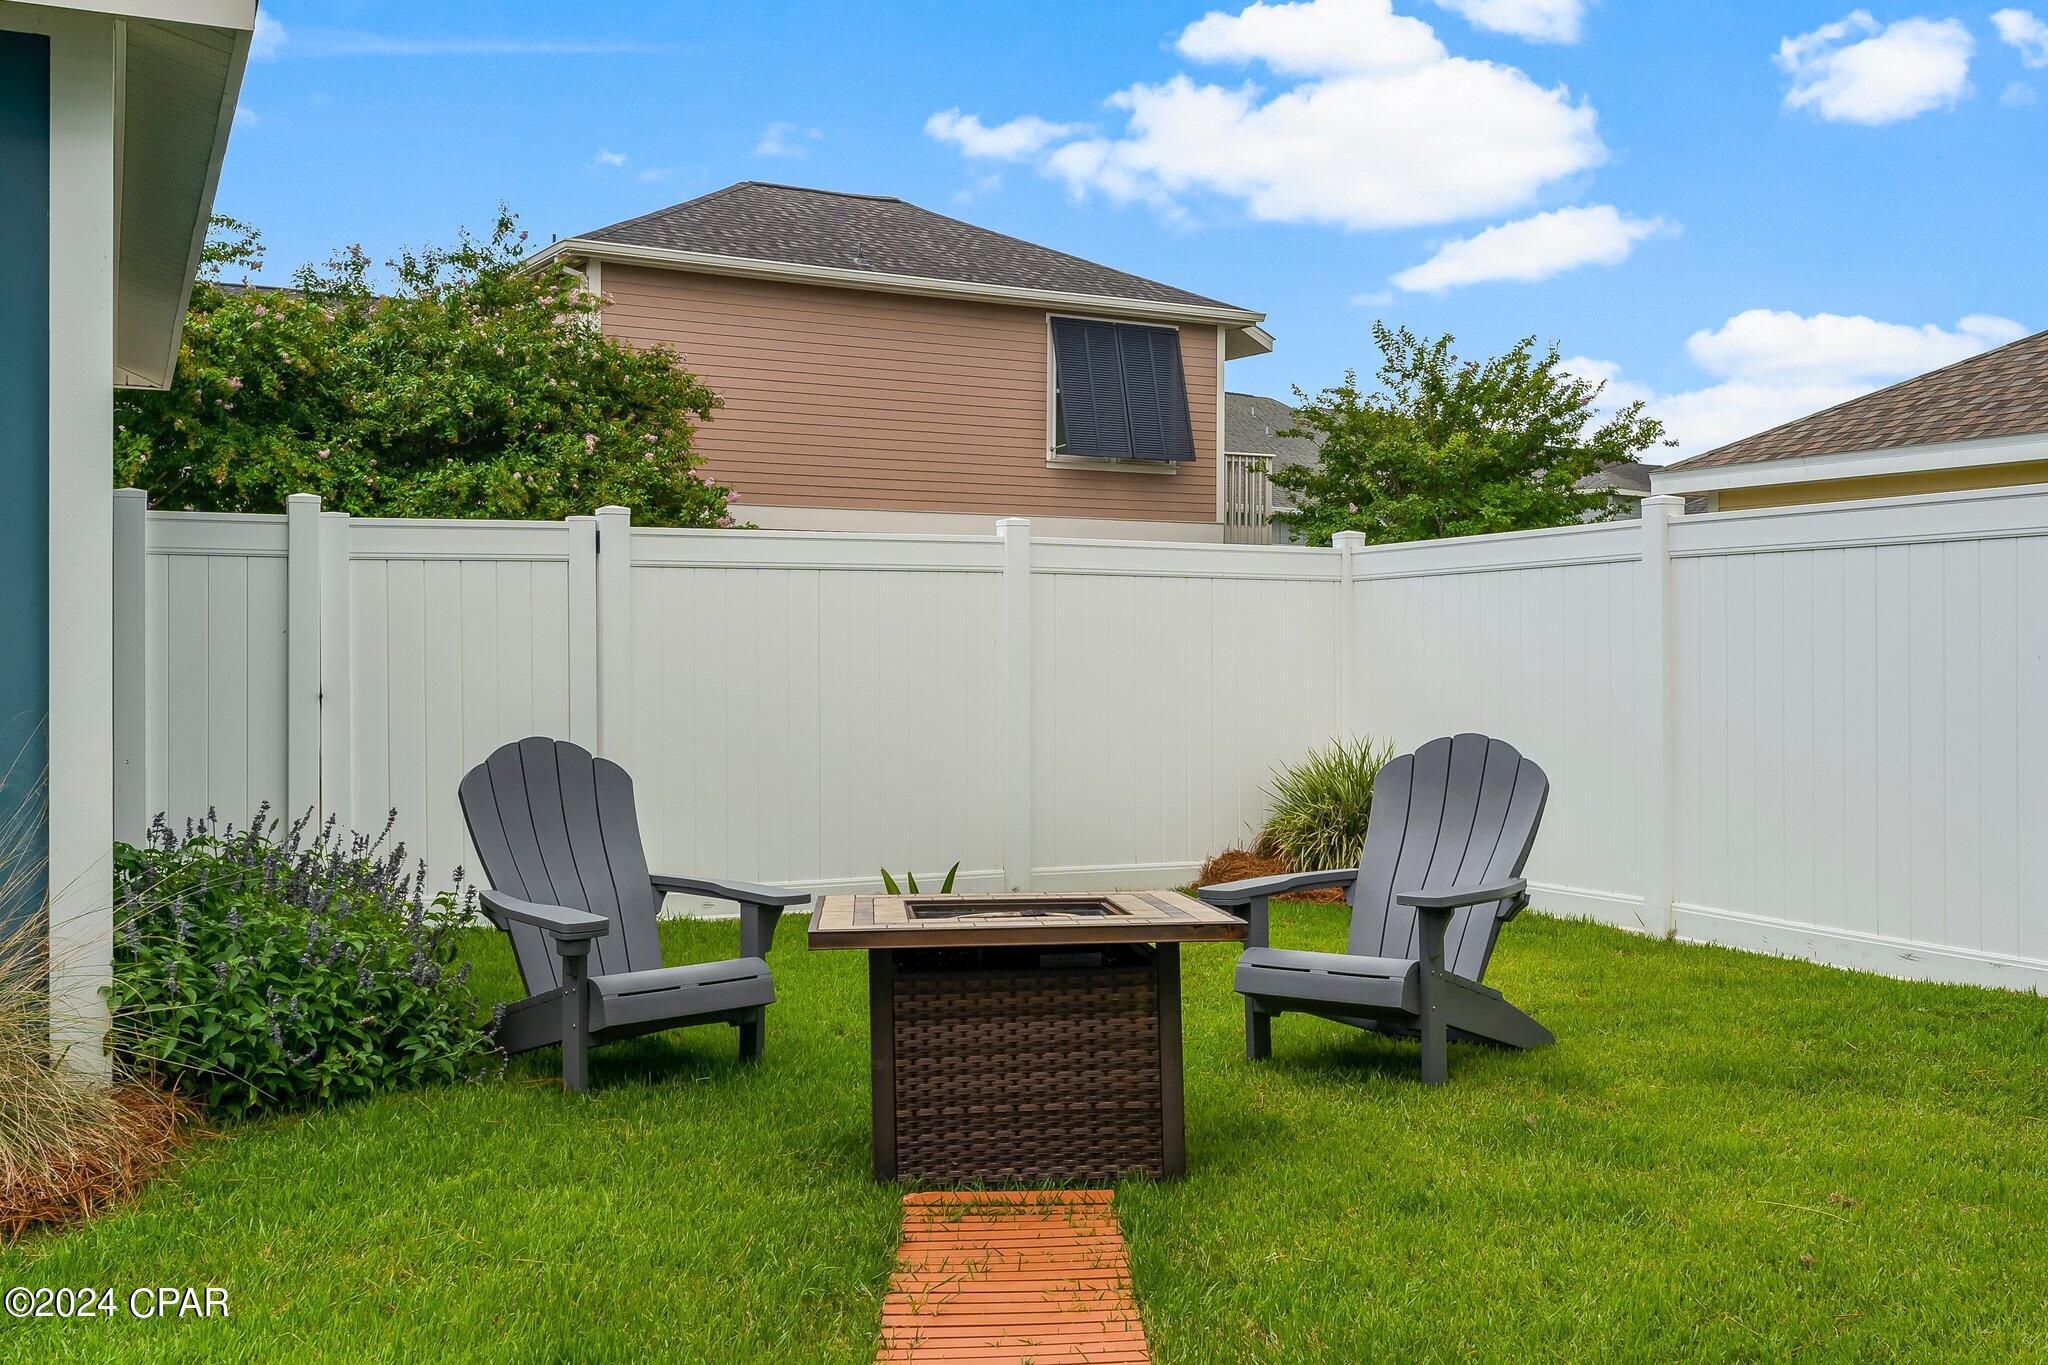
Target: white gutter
(747,267)
(1857,464)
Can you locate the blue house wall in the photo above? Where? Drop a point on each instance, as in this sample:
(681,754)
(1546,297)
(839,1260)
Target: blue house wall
(24,465)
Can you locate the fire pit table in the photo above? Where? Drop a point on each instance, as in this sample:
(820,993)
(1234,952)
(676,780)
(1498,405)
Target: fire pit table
(1024,1037)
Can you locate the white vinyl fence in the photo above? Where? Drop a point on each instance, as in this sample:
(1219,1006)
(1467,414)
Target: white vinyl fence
(795,707)
(1816,731)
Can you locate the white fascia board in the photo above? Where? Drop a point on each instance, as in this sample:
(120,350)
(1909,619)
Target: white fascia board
(1859,464)
(577,248)
(230,14)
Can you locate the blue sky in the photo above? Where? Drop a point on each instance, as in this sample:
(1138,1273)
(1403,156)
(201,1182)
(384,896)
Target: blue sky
(1740,212)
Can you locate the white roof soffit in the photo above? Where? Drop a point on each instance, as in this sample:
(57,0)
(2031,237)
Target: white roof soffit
(1247,341)
(580,249)
(179,84)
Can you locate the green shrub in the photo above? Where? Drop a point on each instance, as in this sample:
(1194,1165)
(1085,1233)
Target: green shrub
(260,974)
(477,386)
(1321,805)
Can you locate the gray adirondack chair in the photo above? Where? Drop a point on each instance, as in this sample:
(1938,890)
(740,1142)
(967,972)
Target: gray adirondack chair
(1451,828)
(560,844)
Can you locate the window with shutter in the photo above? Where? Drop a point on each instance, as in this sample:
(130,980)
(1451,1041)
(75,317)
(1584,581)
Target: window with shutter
(1120,392)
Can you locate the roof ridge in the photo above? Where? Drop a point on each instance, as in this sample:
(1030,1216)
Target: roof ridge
(1873,394)
(805,189)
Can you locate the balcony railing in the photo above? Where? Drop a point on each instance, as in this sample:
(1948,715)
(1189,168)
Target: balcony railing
(1248,499)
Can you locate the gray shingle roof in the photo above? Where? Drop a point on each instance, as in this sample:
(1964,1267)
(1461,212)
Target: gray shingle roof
(1618,476)
(1252,424)
(2003,392)
(757,221)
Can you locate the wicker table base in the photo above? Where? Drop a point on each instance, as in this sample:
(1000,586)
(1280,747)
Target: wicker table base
(1019,1064)
(1024,1037)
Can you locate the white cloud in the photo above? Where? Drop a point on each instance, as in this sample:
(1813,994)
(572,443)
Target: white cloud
(786,139)
(1012,141)
(2025,32)
(1379,298)
(609,158)
(1858,71)
(1540,21)
(1532,248)
(267,38)
(1314,38)
(1774,367)
(2018,95)
(245,117)
(1827,348)
(1391,131)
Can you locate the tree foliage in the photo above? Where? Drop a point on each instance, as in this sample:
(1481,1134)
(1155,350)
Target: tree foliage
(477,388)
(1450,447)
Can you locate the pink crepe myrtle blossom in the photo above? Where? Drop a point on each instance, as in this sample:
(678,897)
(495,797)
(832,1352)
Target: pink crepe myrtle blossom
(589,441)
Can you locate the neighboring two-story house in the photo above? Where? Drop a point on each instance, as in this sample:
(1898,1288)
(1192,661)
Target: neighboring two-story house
(883,367)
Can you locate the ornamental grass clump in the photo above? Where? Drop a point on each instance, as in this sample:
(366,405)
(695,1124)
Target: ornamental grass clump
(69,1144)
(258,974)
(1321,805)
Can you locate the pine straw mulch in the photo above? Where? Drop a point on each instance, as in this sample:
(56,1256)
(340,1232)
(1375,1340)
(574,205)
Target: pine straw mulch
(111,1159)
(1234,864)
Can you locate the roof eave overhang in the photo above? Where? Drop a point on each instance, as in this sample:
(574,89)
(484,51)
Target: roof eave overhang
(1855,464)
(237,18)
(1248,340)
(747,267)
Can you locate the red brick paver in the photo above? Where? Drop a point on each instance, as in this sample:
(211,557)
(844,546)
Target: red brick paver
(1019,1276)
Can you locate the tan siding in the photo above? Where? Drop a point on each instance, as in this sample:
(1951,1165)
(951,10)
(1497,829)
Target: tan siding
(846,398)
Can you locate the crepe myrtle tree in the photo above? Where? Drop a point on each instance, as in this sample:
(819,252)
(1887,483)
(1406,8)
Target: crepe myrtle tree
(1453,447)
(479,386)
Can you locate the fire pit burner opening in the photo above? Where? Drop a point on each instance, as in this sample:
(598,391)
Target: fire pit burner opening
(1021,907)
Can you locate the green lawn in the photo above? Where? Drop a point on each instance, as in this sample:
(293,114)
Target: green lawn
(1724,1157)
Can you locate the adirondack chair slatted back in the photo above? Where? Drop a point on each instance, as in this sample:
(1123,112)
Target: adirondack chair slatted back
(555,826)
(1455,812)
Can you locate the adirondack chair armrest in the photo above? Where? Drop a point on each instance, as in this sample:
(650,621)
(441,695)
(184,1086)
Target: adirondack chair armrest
(761,907)
(1227,895)
(1513,889)
(744,893)
(556,921)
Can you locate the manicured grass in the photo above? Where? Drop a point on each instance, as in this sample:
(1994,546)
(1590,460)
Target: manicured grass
(1725,1157)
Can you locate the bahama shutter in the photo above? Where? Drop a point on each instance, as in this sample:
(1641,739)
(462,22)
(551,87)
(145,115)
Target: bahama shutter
(1122,394)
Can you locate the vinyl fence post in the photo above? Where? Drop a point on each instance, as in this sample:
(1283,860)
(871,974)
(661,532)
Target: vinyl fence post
(1346,544)
(1660,749)
(337,710)
(1019,769)
(131,665)
(302,655)
(583,609)
(615,633)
